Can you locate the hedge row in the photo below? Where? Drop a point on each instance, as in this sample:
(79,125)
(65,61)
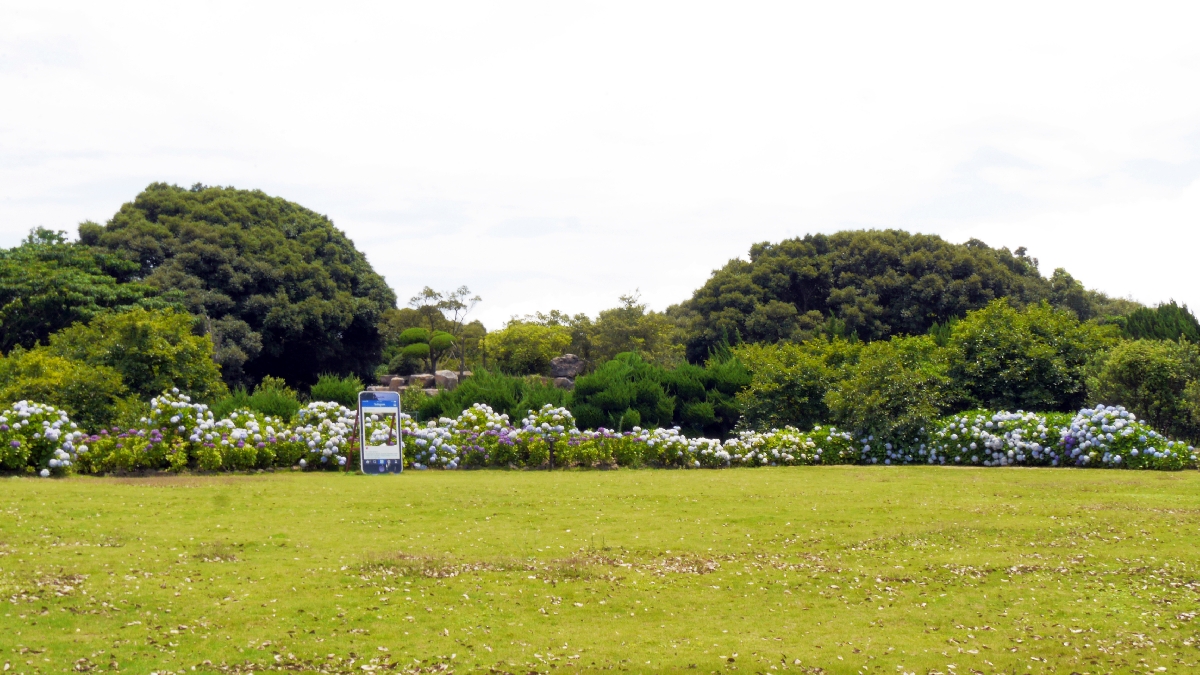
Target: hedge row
(181,435)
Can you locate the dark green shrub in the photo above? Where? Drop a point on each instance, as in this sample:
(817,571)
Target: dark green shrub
(273,397)
(288,293)
(1165,322)
(622,393)
(628,391)
(238,399)
(342,390)
(506,394)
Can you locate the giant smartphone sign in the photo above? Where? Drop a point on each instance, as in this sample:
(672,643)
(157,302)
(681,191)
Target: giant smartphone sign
(379,432)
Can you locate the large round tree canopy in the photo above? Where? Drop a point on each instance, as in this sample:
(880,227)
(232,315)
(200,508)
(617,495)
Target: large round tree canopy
(872,284)
(281,290)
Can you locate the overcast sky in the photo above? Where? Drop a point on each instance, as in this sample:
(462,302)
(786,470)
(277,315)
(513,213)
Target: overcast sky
(559,155)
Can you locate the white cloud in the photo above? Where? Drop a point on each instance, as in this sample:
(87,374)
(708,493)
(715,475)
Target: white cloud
(558,155)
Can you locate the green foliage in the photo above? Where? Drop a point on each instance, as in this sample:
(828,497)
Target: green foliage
(418,344)
(1031,359)
(895,390)
(153,350)
(622,393)
(789,381)
(414,336)
(90,394)
(274,398)
(343,390)
(874,283)
(526,348)
(581,327)
(1156,379)
(1166,322)
(237,399)
(1067,293)
(271,397)
(283,291)
(506,394)
(629,327)
(47,284)
(627,392)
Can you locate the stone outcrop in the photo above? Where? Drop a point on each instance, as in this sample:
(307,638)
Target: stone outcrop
(422,380)
(446,379)
(567,365)
(564,369)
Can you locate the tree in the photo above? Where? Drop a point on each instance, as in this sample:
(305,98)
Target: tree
(526,348)
(580,325)
(789,381)
(894,391)
(630,328)
(48,283)
(280,289)
(1167,321)
(151,350)
(91,394)
(1032,359)
(1156,379)
(434,307)
(419,344)
(872,284)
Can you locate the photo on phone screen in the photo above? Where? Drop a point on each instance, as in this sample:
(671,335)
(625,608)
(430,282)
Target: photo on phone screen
(379,432)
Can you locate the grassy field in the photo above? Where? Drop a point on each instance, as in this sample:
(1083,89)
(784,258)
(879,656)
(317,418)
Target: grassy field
(832,569)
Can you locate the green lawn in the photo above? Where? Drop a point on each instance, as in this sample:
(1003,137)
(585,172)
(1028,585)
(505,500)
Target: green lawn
(841,569)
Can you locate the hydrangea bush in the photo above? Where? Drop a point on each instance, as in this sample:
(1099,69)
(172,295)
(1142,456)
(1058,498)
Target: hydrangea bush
(178,434)
(327,429)
(38,436)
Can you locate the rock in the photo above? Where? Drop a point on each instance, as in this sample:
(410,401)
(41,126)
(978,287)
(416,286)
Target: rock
(464,375)
(376,388)
(422,380)
(564,383)
(430,392)
(385,380)
(397,383)
(567,365)
(446,379)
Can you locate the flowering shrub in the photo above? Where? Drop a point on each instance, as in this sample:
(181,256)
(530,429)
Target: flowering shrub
(1114,437)
(38,436)
(174,415)
(327,429)
(246,439)
(432,446)
(484,436)
(129,450)
(179,434)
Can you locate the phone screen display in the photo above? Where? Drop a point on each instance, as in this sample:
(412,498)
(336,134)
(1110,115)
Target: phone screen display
(379,432)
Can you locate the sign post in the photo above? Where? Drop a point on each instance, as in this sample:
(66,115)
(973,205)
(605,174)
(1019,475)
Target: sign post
(379,439)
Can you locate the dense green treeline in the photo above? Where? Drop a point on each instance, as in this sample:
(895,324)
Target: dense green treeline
(247,300)
(870,285)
